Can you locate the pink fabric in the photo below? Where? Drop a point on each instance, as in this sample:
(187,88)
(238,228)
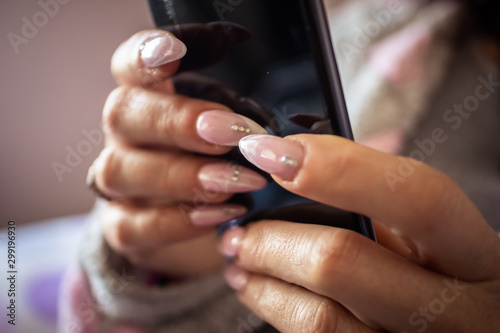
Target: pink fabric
(77,309)
(388,142)
(400,59)
(79,312)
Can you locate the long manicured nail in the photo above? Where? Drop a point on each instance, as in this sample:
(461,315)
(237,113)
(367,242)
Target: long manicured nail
(214,215)
(160,50)
(273,154)
(230,242)
(227,177)
(236,277)
(226,128)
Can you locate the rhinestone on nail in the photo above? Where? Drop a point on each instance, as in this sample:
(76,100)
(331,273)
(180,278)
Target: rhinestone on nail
(289,161)
(236,174)
(241,129)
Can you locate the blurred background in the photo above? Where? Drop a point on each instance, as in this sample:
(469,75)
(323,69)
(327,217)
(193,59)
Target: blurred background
(55,78)
(54,81)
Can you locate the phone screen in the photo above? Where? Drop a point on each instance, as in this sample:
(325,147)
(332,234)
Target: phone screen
(281,60)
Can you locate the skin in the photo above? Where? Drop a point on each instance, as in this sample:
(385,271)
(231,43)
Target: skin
(150,168)
(299,278)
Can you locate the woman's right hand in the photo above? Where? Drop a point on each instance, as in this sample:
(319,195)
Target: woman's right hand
(160,166)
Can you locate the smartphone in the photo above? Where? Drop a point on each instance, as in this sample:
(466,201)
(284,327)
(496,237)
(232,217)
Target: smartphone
(277,60)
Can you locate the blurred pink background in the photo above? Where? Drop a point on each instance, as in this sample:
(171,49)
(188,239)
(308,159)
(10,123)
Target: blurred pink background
(52,90)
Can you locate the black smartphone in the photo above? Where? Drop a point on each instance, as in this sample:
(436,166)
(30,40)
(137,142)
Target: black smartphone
(277,58)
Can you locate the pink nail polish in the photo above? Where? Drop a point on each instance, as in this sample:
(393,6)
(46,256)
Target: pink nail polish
(160,50)
(227,177)
(226,128)
(213,215)
(236,277)
(273,154)
(230,242)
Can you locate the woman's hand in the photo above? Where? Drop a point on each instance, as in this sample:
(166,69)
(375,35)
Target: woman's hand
(160,169)
(436,267)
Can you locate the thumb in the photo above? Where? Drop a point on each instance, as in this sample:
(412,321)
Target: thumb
(147,58)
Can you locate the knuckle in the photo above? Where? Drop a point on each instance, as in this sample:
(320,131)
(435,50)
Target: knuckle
(117,229)
(311,316)
(175,122)
(121,237)
(114,108)
(167,176)
(323,318)
(153,224)
(106,169)
(333,254)
(165,122)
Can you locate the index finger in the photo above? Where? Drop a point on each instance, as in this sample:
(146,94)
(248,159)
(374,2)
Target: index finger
(147,58)
(425,208)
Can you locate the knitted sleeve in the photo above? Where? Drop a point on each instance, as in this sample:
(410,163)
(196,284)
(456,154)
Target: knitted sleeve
(106,294)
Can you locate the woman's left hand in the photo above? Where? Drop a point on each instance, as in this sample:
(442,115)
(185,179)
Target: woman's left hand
(435,267)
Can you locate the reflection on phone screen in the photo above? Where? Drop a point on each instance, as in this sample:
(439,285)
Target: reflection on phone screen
(265,59)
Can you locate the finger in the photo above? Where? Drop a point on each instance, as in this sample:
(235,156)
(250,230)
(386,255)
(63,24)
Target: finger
(141,117)
(131,229)
(177,260)
(147,58)
(422,206)
(390,241)
(202,87)
(290,308)
(378,286)
(122,172)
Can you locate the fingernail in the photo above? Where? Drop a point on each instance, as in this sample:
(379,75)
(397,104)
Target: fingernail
(236,277)
(273,154)
(226,128)
(160,50)
(230,242)
(213,215)
(227,177)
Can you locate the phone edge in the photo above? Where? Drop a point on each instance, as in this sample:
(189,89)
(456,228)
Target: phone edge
(316,11)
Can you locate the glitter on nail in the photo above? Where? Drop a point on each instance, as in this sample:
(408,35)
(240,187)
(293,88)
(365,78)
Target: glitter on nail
(289,161)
